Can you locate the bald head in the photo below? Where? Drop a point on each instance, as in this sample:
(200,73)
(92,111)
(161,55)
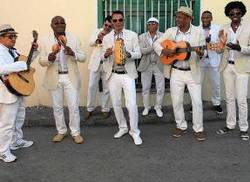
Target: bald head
(58,25)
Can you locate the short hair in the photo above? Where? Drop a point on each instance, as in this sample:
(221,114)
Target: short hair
(55,17)
(209,12)
(233,5)
(117,12)
(108,18)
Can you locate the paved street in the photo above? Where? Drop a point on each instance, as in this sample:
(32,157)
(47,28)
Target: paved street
(161,158)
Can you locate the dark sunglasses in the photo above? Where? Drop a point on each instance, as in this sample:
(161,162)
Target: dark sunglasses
(59,23)
(235,14)
(12,36)
(116,20)
(106,25)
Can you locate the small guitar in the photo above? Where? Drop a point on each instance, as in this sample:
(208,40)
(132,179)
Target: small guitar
(22,83)
(183,50)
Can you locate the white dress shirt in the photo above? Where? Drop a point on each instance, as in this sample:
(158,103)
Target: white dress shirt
(181,36)
(233,39)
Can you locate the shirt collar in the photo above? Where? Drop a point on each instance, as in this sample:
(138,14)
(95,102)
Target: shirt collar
(187,32)
(3,47)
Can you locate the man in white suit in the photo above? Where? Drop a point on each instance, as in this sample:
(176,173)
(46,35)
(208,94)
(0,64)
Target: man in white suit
(96,71)
(62,77)
(184,72)
(150,65)
(210,64)
(121,77)
(12,108)
(235,66)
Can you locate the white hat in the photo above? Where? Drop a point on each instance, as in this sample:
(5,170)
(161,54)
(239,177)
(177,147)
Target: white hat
(6,28)
(185,10)
(153,19)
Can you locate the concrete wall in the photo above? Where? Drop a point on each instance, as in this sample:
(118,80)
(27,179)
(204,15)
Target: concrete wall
(81,19)
(26,15)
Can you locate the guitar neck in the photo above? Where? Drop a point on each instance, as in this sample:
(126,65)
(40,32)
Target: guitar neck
(198,47)
(30,54)
(190,49)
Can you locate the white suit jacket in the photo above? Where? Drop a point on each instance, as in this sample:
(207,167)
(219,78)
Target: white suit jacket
(147,50)
(197,39)
(242,59)
(95,57)
(7,65)
(131,45)
(51,75)
(214,58)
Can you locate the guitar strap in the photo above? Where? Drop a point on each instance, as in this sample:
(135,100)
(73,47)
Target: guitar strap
(11,51)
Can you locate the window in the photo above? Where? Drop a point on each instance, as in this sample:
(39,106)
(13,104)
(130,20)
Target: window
(136,13)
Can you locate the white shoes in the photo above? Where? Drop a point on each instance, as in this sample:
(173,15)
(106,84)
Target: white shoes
(7,157)
(120,133)
(145,112)
(159,112)
(21,144)
(137,139)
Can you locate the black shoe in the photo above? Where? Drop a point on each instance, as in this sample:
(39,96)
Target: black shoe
(224,131)
(87,115)
(218,109)
(244,135)
(106,115)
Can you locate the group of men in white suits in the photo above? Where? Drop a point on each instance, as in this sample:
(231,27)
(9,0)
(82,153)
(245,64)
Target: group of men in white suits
(62,77)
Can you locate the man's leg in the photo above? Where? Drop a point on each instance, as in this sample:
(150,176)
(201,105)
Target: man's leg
(17,139)
(177,86)
(57,101)
(229,80)
(8,114)
(115,88)
(241,95)
(105,93)
(92,89)
(160,88)
(72,96)
(146,80)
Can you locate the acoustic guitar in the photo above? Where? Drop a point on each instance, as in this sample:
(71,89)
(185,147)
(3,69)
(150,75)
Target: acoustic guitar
(183,50)
(22,83)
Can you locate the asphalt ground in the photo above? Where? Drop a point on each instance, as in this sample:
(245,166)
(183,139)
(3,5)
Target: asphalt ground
(161,158)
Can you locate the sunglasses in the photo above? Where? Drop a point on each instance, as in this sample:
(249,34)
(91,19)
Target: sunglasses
(152,23)
(12,36)
(116,20)
(235,14)
(106,25)
(59,23)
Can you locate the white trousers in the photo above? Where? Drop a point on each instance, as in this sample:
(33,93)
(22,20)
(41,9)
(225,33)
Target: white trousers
(66,89)
(236,86)
(214,76)
(94,77)
(178,81)
(117,84)
(146,79)
(11,121)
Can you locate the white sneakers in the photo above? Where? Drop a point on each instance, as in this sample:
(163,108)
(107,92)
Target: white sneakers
(137,139)
(158,111)
(145,112)
(7,157)
(120,133)
(21,144)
